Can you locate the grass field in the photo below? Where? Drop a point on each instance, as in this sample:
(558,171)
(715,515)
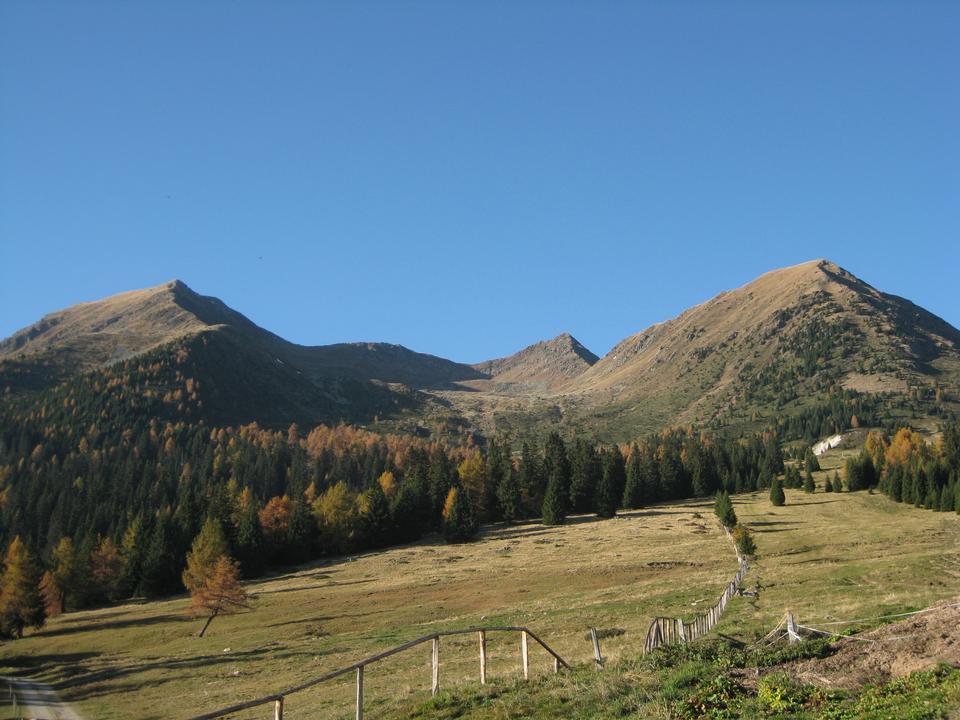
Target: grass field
(826,556)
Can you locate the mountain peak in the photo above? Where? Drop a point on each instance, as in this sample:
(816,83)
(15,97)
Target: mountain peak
(543,365)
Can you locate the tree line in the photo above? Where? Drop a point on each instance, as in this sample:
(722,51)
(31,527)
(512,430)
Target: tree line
(907,469)
(104,511)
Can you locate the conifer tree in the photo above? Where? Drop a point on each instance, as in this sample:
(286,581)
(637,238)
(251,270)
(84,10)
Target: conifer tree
(828,485)
(633,490)
(249,542)
(838,484)
(555,507)
(460,522)
(208,547)
(808,485)
(615,472)
(777,496)
(532,483)
(375,517)
(554,510)
(508,494)
(20,603)
(106,570)
(585,473)
(220,593)
(606,498)
(723,507)
(744,541)
(301,533)
(50,595)
(161,567)
(70,573)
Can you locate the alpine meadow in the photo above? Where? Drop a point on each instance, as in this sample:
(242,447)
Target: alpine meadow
(238,495)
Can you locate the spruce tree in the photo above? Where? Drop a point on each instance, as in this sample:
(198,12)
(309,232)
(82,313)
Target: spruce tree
(606,498)
(161,568)
(808,485)
(838,484)
(554,510)
(531,481)
(633,491)
(776,493)
(508,494)
(375,517)
(21,605)
(249,544)
(460,522)
(723,507)
(828,485)
(614,469)
(585,474)
(302,532)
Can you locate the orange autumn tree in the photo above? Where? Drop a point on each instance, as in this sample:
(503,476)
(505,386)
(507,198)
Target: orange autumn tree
(221,594)
(275,520)
(212,577)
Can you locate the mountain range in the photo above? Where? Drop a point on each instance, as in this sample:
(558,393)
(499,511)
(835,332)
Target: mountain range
(791,338)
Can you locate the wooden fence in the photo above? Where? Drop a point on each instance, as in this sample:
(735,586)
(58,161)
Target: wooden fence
(277,699)
(669,631)
(14,701)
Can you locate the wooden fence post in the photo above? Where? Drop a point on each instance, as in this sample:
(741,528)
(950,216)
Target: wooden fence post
(793,636)
(359,715)
(483,658)
(524,657)
(436,665)
(278,709)
(598,658)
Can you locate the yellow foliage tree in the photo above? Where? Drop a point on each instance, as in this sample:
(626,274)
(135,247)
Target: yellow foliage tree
(906,448)
(336,512)
(473,474)
(388,483)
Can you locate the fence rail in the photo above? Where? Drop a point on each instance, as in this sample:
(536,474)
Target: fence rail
(277,699)
(670,631)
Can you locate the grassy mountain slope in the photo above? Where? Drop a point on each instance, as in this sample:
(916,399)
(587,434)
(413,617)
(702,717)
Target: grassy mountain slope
(787,340)
(244,373)
(771,349)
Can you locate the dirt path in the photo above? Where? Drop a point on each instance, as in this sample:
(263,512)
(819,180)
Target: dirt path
(39,702)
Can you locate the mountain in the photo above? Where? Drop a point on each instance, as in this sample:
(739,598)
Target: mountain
(782,341)
(780,347)
(543,365)
(251,374)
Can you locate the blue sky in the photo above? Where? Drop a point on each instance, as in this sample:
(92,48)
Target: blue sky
(468,178)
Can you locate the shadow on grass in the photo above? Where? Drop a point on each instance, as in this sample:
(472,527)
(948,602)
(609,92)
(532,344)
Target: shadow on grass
(93,624)
(87,683)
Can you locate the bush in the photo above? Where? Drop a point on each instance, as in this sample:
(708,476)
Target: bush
(779,693)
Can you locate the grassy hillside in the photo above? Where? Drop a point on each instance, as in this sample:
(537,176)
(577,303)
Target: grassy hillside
(825,556)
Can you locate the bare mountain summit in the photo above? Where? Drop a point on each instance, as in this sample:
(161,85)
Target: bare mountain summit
(543,365)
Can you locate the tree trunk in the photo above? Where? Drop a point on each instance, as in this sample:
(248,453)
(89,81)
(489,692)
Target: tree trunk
(207,623)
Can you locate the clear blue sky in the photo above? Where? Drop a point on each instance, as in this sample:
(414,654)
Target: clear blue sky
(467,178)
